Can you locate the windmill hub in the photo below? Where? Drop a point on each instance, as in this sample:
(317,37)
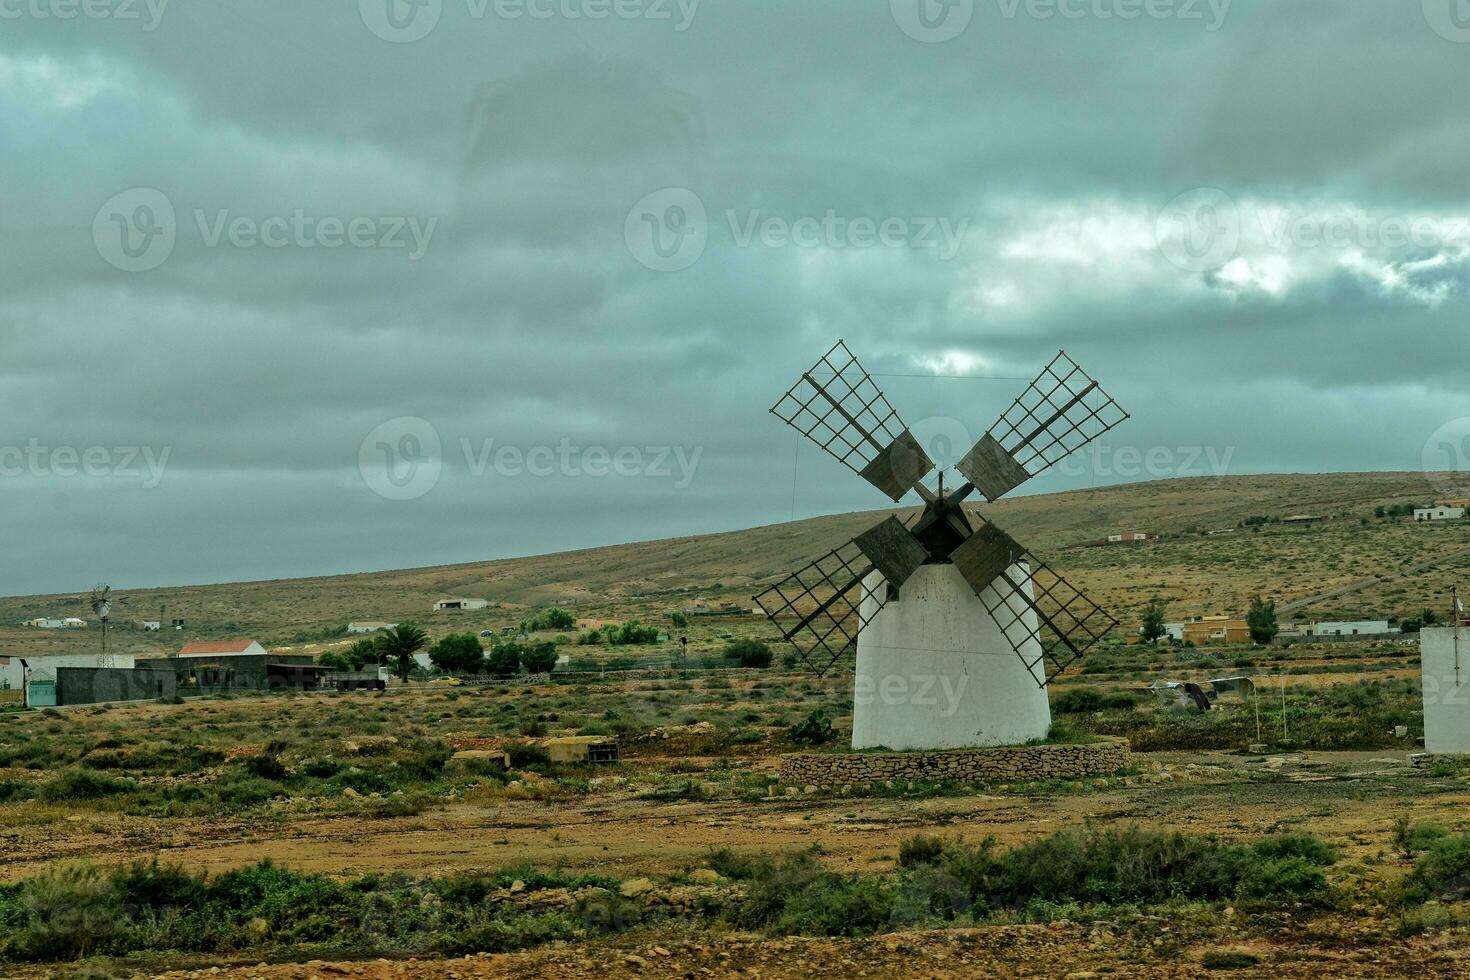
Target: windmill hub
(950,610)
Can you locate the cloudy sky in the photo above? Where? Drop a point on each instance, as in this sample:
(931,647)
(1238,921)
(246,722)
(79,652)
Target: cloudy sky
(295,288)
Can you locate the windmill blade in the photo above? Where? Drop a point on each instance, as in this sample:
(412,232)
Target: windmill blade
(1060,412)
(837,406)
(829,601)
(1046,620)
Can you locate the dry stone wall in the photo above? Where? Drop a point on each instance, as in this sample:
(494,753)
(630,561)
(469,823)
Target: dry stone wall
(1021,764)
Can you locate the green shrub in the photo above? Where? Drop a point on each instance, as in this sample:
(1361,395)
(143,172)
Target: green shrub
(1442,872)
(814,729)
(84,784)
(920,849)
(750,653)
(527,755)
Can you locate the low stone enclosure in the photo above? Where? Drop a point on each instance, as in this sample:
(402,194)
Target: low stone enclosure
(1023,763)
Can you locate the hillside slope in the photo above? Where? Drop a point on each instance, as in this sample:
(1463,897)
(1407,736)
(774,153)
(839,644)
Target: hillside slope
(1195,571)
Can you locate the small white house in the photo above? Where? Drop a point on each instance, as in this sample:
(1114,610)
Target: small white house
(446,604)
(1174,631)
(46,624)
(151,625)
(369,627)
(73,623)
(1357,627)
(1440,513)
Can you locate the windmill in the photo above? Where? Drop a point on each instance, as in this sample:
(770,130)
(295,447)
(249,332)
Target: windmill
(948,600)
(101,604)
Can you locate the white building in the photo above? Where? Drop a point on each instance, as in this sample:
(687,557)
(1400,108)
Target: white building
(151,625)
(73,623)
(445,604)
(42,667)
(1440,513)
(45,624)
(369,627)
(1356,627)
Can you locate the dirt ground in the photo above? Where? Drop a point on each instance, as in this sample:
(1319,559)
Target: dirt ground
(1348,798)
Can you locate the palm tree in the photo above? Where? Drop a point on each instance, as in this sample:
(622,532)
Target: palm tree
(101,603)
(399,644)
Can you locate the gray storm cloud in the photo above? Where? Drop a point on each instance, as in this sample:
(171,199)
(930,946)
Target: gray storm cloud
(1229,225)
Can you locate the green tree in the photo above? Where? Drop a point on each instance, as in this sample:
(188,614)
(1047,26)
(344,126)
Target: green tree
(554,618)
(336,661)
(458,653)
(399,644)
(1429,617)
(504,660)
(364,652)
(679,620)
(750,653)
(1261,620)
(1153,621)
(539,658)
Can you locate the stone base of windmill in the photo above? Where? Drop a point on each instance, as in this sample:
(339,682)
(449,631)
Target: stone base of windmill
(1025,763)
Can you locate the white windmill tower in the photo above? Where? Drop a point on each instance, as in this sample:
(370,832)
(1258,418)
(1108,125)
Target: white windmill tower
(957,628)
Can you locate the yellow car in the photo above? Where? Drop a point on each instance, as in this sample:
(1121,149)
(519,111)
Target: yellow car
(445,682)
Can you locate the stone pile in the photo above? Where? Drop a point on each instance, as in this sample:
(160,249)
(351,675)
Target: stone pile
(1019,764)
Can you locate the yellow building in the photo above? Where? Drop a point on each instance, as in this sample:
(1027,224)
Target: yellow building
(1217,629)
